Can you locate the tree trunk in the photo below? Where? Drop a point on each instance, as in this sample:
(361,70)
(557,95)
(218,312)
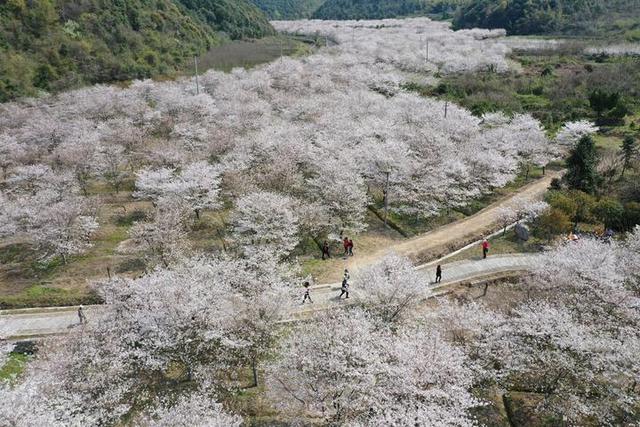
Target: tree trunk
(254,372)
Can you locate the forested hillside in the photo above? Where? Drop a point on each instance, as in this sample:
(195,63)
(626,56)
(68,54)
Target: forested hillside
(289,9)
(572,17)
(381,9)
(237,18)
(57,44)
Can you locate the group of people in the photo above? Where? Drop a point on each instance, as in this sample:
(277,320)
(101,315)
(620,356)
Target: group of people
(346,243)
(344,288)
(348,251)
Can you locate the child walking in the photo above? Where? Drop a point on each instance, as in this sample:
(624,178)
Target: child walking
(307,293)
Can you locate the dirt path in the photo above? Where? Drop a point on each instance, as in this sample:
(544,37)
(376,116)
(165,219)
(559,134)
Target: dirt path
(445,239)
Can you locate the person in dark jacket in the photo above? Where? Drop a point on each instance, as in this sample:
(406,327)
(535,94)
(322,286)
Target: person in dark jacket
(438,273)
(325,250)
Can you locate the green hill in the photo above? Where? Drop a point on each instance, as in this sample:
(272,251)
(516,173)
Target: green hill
(237,18)
(380,9)
(571,17)
(53,45)
(289,9)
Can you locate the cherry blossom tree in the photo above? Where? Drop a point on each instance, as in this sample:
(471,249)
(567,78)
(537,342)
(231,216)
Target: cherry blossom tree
(342,191)
(572,132)
(44,207)
(520,209)
(113,162)
(392,287)
(31,179)
(153,184)
(265,223)
(193,411)
(343,369)
(64,228)
(197,185)
(163,240)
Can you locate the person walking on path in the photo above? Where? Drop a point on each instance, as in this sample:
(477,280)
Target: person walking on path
(346,275)
(485,248)
(325,250)
(350,247)
(307,293)
(81,317)
(438,273)
(344,288)
(345,243)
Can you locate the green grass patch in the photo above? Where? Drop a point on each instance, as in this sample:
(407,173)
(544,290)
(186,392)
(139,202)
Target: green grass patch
(508,243)
(13,367)
(15,253)
(249,54)
(43,296)
(45,268)
(607,142)
(313,267)
(533,102)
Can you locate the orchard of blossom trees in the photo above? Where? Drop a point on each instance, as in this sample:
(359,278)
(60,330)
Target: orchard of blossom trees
(313,136)
(297,148)
(171,344)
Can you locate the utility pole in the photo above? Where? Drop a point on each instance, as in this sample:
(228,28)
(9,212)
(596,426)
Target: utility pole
(386,200)
(446,107)
(281,49)
(426,56)
(195,58)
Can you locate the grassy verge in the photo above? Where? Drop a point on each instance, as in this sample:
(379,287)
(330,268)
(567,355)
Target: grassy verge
(43,296)
(507,243)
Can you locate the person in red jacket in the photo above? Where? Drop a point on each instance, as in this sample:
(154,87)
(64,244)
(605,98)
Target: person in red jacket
(345,243)
(485,248)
